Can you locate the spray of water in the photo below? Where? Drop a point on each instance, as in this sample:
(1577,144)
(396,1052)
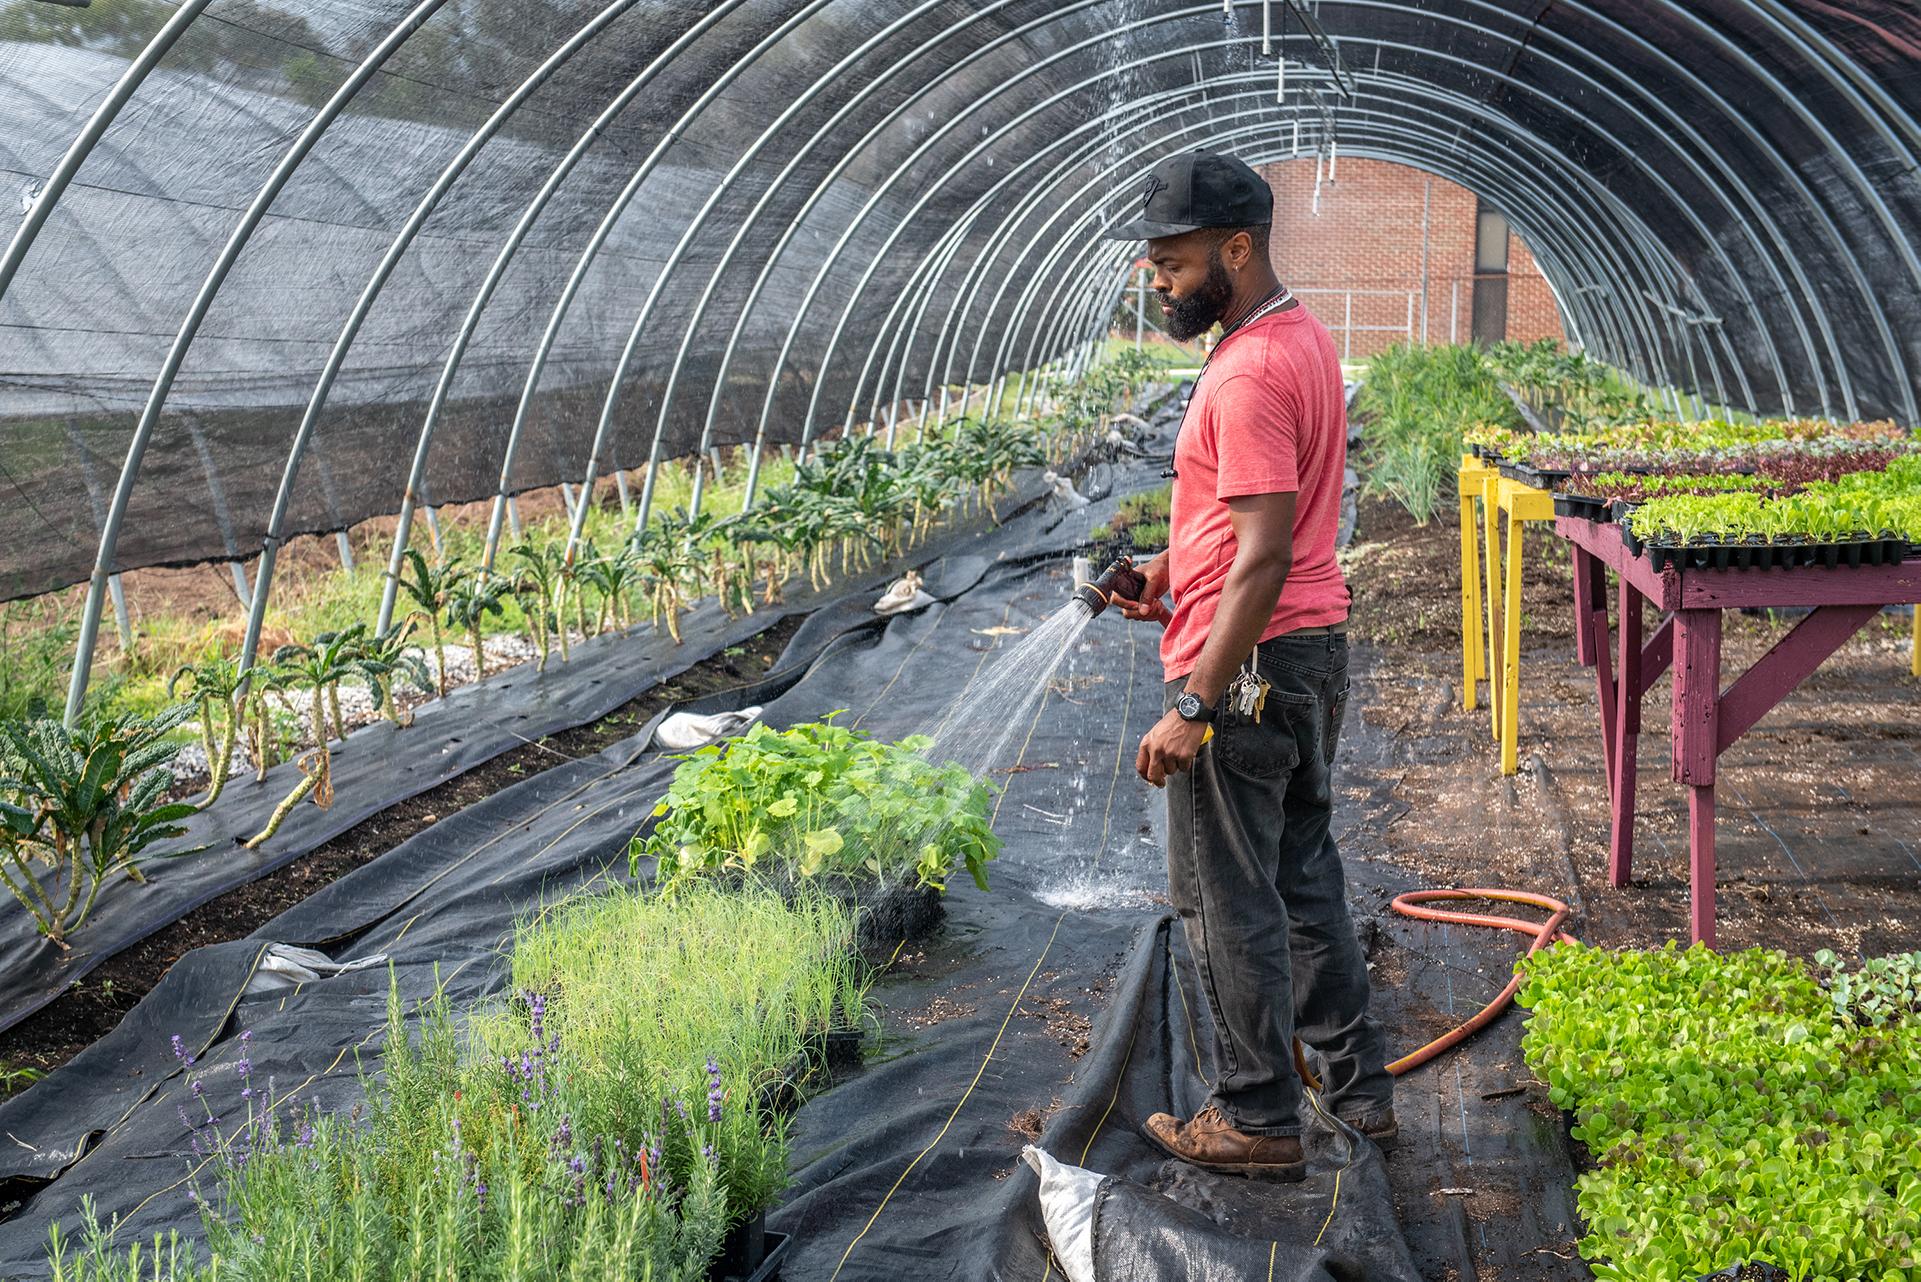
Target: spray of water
(978,728)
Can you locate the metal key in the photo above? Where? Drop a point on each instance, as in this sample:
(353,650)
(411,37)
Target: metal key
(1260,698)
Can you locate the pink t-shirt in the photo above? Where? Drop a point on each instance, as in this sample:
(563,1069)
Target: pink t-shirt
(1268,416)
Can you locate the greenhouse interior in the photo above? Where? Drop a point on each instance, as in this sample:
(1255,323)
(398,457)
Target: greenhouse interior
(1140,640)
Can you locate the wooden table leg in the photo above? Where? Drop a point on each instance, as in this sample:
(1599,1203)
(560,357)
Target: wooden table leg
(1701,863)
(1472,660)
(1590,593)
(1511,650)
(1627,735)
(1696,736)
(1585,565)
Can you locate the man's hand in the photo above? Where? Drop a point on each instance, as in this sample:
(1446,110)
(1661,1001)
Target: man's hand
(1149,608)
(1169,748)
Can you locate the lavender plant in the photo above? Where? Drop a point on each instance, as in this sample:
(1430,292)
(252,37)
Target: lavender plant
(607,1121)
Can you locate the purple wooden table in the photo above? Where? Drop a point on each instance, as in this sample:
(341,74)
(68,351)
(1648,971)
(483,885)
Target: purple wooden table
(1707,719)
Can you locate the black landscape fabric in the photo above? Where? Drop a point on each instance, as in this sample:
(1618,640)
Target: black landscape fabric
(1051,1009)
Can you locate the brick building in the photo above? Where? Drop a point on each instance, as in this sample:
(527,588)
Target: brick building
(1379,233)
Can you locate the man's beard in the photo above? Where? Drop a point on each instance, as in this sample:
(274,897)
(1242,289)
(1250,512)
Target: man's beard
(1197,313)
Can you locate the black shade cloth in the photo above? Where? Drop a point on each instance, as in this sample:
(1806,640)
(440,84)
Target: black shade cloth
(1724,195)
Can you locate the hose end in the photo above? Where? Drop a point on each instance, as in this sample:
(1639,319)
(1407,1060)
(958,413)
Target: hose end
(1092,597)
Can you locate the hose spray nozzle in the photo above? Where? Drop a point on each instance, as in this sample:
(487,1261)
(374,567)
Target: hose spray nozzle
(1119,579)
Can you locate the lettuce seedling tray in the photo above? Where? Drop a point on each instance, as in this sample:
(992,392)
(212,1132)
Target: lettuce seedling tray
(1760,555)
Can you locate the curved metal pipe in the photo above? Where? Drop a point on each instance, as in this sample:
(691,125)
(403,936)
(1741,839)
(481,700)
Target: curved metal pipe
(693,229)
(83,143)
(143,430)
(1061,205)
(1067,238)
(391,259)
(1471,105)
(502,260)
(907,218)
(1044,190)
(581,267)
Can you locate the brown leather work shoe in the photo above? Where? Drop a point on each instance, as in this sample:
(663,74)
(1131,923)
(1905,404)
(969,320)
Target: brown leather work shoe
(1210,1142)
(1378,1127)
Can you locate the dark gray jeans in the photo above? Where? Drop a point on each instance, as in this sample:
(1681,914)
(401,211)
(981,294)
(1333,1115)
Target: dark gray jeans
(1254,873)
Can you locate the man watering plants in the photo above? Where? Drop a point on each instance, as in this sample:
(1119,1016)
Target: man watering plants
(1255,650)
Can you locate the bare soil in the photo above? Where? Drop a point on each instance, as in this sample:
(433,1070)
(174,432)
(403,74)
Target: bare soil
(1819,839)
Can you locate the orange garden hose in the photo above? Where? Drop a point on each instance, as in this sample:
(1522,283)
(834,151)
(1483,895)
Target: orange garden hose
(1541,934)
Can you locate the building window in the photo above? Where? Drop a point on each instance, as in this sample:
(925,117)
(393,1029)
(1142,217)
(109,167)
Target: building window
(1490,275)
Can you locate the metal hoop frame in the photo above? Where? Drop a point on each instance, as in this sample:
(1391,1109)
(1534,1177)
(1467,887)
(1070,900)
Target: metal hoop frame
(1068,292)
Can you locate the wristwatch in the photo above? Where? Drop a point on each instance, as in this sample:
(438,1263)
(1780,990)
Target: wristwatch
(1191,708)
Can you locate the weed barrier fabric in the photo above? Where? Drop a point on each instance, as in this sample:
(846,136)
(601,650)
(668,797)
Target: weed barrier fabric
(989,1035)
(440,908)
(381,765)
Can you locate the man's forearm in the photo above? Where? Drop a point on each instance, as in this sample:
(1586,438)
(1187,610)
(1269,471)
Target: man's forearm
(1247,605)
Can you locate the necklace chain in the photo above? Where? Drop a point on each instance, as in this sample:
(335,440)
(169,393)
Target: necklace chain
(1280,298)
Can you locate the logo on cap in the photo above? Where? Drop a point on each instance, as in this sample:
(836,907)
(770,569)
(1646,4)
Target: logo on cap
(1154,184)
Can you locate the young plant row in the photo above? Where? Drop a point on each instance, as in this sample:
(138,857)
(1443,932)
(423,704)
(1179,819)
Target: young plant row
(1742,1107)
(615,1117)
(820,800)
(1140,520)
(1417,401)
(1790,448)
(1570,390)
(1859,507)
(79,806)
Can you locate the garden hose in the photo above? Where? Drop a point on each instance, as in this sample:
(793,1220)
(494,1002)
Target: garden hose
(1121,578)
(1541,933)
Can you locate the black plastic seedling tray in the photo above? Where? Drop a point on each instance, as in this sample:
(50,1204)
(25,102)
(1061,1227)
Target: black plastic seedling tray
(1539,478)
(751,1253)
(1583,507)
(1851,554)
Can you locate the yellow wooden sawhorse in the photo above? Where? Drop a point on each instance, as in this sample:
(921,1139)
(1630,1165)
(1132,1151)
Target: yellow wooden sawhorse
(1499,661)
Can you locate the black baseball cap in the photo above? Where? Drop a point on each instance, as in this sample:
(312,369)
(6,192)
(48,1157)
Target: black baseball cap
(1196,189)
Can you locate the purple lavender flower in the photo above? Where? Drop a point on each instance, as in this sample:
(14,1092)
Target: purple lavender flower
(714,1093)
(537,1015)
(198,1088)
(243,1066)
(180,1051)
